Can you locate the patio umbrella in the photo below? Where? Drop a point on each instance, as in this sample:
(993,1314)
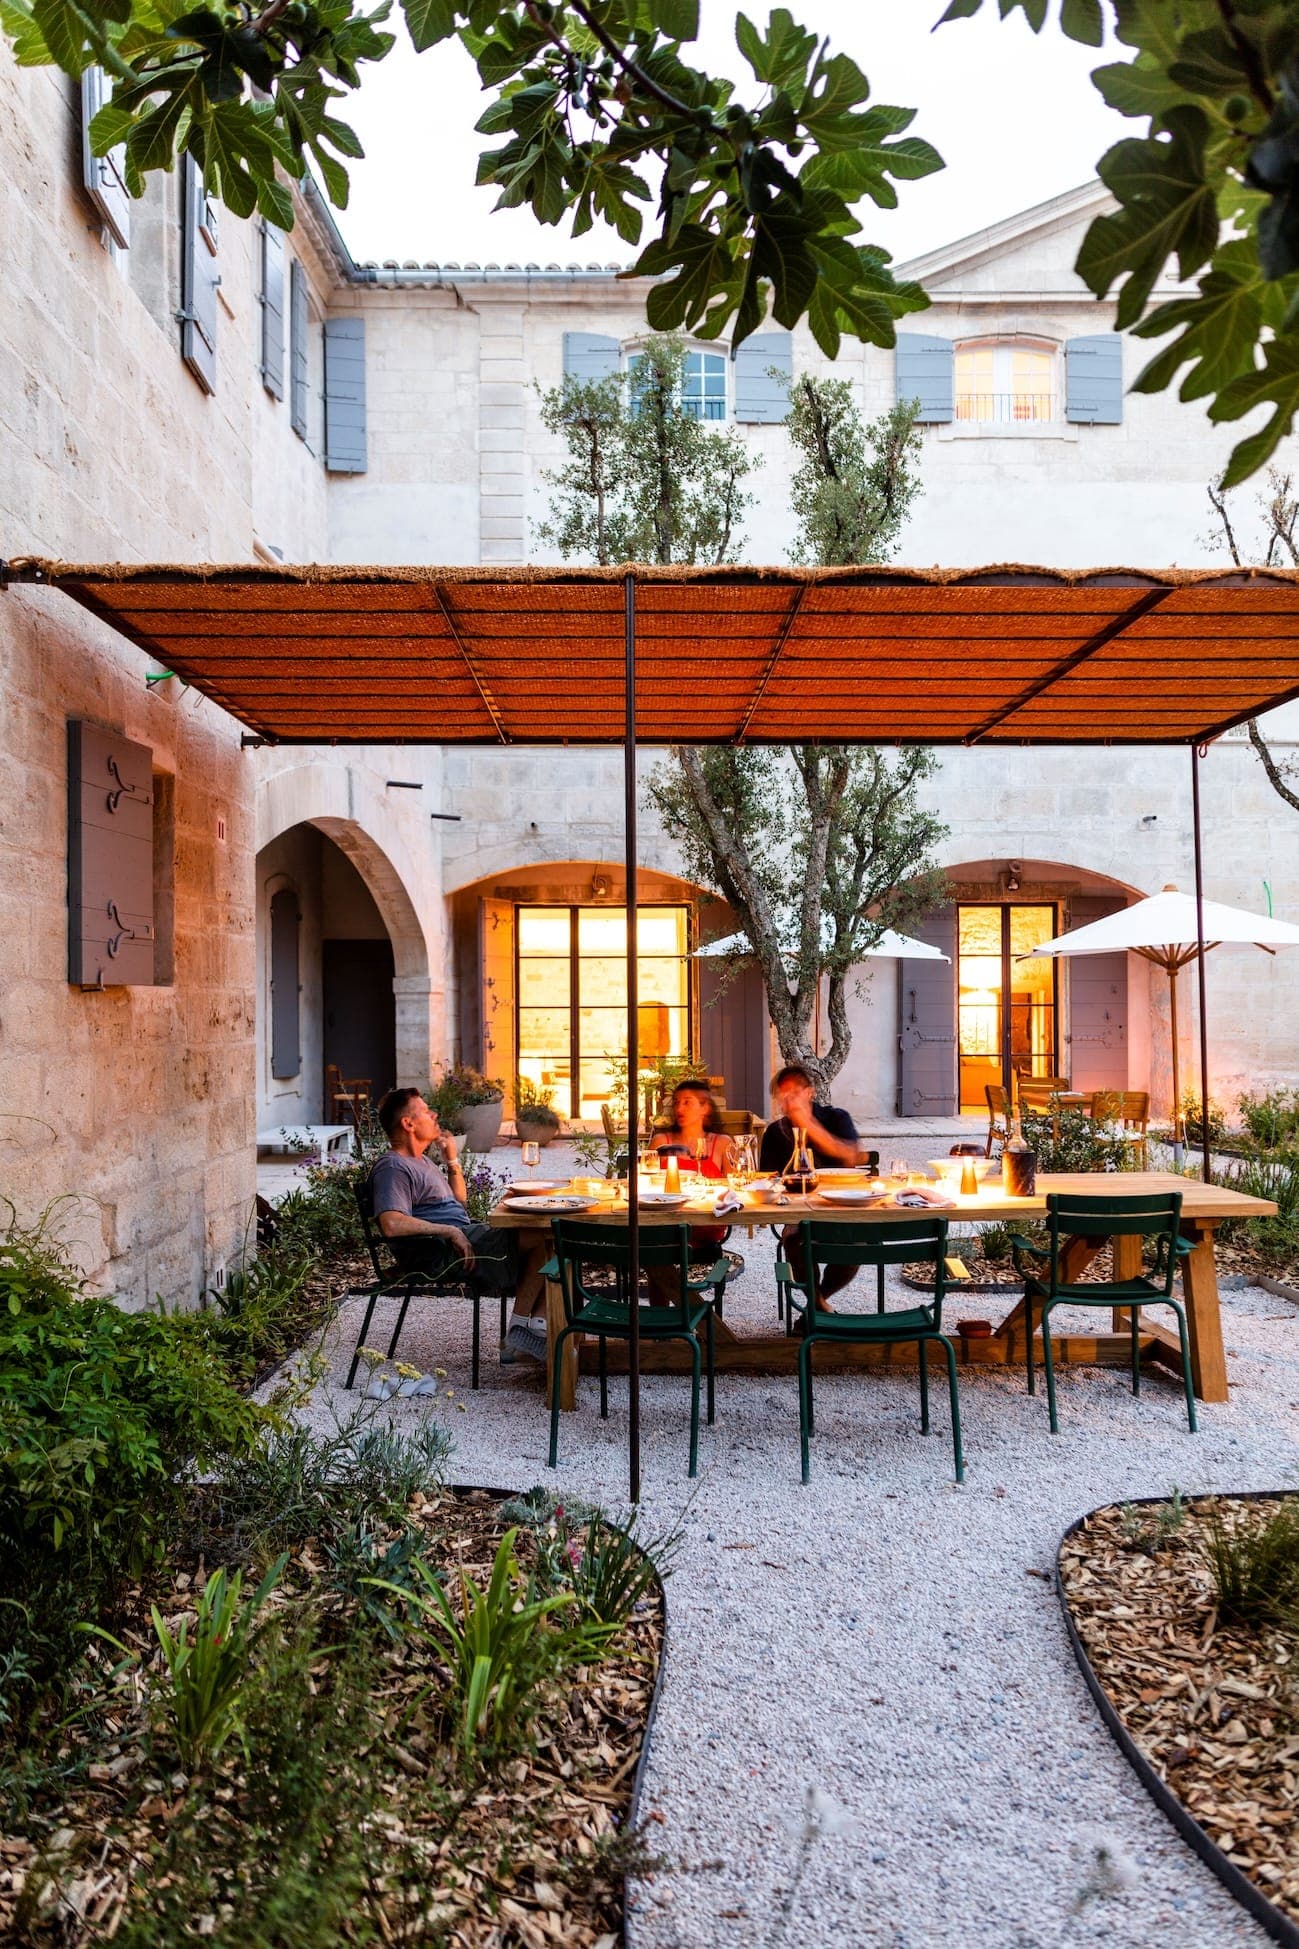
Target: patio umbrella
(889,946)
(1172,929)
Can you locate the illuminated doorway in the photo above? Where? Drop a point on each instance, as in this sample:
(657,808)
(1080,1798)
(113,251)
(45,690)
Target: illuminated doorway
(571,986)
(1005,1009)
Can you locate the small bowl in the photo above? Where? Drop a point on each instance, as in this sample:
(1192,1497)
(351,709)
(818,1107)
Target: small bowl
(766,1190)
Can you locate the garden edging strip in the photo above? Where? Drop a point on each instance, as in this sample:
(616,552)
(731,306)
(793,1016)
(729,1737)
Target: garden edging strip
(1278,1925)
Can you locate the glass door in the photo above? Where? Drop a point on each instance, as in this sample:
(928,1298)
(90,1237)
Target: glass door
(572,990)
(1005,1008)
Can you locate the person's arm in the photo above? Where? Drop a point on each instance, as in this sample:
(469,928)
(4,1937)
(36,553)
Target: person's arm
(396,1220)
(455,1173)
(844,1148)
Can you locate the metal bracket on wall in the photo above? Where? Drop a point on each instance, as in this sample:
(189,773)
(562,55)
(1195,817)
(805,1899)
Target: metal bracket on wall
(124,933)
(125,790)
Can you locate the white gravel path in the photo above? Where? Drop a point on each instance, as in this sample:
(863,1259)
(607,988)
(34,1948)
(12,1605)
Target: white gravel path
(877,1639)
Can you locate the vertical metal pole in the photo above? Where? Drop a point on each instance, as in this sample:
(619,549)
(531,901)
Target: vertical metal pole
(1199,941)
(633,1036)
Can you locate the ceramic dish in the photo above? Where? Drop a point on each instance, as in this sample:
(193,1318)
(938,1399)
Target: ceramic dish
(671,1199)
(566,1202)
(535,1188)
(849,1195)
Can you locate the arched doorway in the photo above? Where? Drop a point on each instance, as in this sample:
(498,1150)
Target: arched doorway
(343,977)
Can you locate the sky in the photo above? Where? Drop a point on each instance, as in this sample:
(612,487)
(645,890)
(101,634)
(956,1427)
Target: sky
(1014,115)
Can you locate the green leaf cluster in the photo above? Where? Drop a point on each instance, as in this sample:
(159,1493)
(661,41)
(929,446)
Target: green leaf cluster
(1212,187)
(854,485)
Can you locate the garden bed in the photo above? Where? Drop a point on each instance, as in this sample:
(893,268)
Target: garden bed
(1191,1631)
(361,1811)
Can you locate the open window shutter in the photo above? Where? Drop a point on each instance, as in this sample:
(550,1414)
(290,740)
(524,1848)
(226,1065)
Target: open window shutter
(589,355)
(926,370)
(1093,378)
(104,176)
(345,395)
(298,349)
(110,858)
(286,1054)
(273,310)
(1098,1005)
(200,279)
(927,1079)
(760,399)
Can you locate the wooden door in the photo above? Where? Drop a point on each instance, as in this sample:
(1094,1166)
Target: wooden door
(733,1037)
(927,1023)
(1098,1005)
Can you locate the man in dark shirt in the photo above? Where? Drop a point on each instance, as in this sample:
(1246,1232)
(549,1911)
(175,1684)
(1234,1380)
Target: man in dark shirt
(420,1208)
(831,1138)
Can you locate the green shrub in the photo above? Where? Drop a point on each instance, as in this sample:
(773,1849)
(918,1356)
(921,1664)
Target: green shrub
(1255,1567)
(1071,1141)
(1271,1119)
(1277,1179)
(1192,1119)
(613,1569)
(460,1087)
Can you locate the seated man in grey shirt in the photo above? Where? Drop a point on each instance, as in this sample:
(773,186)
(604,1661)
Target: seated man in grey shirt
(420,1209)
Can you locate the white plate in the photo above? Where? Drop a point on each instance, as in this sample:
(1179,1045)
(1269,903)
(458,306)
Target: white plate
(669,1198)
(535,1187)
(569,1202)
(850,1195)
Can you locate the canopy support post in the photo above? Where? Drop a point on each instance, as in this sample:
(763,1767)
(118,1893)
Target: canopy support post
(633,1035)
(1197,758)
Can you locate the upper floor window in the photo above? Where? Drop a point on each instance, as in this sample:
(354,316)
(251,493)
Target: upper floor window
(703,384)
(1006,379)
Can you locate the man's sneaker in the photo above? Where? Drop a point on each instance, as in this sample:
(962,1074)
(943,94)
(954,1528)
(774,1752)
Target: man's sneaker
(526,1337)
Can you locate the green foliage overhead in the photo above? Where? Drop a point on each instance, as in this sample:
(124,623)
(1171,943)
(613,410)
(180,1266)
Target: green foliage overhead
(1212,187)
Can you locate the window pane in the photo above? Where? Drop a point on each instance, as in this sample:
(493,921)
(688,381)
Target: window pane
(544,983)
(602,930)
(602,1032)
(543,930)
(661,930)
(663,981)
(601,983)
(543,1031)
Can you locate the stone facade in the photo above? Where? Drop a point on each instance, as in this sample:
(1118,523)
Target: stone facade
(146,1101)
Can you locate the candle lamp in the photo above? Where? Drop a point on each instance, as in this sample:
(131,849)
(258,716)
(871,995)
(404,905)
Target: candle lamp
(672,1175)
(969,1179)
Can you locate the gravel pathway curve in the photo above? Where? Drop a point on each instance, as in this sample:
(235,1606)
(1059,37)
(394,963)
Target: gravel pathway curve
(872,1729)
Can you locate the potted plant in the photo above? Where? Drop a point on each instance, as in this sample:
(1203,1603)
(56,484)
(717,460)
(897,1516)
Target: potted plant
(535,1118)
(468,1103)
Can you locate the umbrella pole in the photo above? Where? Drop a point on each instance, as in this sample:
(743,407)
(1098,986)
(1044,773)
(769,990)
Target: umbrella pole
(1196,760)
(633,1036)
(1171,965)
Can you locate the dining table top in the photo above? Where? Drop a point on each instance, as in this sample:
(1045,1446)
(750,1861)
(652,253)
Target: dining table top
(1209,1204)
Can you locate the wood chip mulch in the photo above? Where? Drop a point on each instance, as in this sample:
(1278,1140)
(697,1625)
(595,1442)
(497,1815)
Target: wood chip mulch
(530,1850)
(1214,1707)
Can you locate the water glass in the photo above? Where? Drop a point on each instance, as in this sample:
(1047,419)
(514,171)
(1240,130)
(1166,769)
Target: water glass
(531,1154)
(899,1171)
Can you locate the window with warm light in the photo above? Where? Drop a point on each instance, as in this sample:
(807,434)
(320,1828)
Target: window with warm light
(703,384)
(572,997)
(1005,1007)
(1006,381)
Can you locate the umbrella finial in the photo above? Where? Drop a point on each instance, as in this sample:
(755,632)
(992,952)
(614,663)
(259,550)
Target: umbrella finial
(1170,888)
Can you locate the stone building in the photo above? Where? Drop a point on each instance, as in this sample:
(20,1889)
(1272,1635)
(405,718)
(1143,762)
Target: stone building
(178,385)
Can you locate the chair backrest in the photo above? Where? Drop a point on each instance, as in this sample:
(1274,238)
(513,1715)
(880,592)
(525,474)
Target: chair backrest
(1135,1108)
(333,1076)
(611,1130)
(998,1102)
(918,1240)
(1105,1105)
(580,1244)
(1154,1215)
(375,1243)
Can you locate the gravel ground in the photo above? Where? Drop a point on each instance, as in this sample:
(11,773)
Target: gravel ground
(872,1729)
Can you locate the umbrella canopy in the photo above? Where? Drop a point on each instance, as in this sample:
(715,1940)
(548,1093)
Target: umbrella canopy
(890,946)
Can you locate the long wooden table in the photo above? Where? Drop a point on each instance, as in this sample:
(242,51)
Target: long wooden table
(1204,1207)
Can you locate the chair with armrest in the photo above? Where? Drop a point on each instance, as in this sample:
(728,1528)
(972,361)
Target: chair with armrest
(392,1280)
(1154,1218)
(998,1116)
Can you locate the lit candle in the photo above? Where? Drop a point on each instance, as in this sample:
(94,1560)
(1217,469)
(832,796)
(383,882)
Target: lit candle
(672,1175)
(969,1179)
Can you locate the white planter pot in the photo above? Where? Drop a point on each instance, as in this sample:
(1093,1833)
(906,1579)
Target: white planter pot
(535,1133)
(480,1125)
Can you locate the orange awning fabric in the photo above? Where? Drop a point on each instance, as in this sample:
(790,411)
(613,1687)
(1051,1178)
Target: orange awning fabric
(1000,655)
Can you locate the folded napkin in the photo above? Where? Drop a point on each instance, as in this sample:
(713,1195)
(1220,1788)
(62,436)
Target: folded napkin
(726,1201)
(917,1196)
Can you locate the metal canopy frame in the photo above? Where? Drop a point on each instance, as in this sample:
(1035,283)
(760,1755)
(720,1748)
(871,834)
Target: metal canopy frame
(1242,610)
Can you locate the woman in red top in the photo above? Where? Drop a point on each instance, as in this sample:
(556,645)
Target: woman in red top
(694,1137)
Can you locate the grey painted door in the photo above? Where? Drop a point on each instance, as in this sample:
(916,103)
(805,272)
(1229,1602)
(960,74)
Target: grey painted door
(360,1017)
(1098,1006)
(927,1023)
(733,1035)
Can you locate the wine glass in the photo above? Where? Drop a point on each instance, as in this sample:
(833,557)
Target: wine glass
(899,1171)
(531,1154)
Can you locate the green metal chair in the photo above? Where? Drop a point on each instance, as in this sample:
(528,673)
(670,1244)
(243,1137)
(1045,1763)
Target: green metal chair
(905,1241)
(582,1249)
(1154,1217)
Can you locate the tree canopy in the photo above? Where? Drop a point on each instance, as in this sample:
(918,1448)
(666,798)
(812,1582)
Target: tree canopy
(600,114)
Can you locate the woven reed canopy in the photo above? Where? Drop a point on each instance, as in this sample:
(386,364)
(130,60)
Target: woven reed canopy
(537,656)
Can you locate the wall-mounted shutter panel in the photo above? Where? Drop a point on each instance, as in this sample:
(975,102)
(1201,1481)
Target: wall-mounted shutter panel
(589,355)
(110,858)
(1093,377)
(199,281)
(286,1051)
(760,398)
(104,176)
(298,348)
(345,395)
(926,370)
(927,1081)
(273,310)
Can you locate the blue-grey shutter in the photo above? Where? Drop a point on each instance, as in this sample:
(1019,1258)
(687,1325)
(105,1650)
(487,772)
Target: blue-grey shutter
(286,1054)
(345,395)
(760,399)
(926,370)
(1098,1005)
(927,1069)
(104,176)
(589,355)
(298,349)
(110,858)
(273,310)
(1093,379)
(199,280)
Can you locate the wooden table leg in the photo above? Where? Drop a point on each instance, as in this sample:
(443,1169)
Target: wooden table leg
(1204,1313)
(555,1321)
(1127,1265)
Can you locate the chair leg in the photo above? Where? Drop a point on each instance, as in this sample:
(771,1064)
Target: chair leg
(473,1364)
(1028,1343)
(805,1404)
(954,1393)
(401,1321)
(1050,1367)
(554,1397)
(710,1333)
(879,1289)
(1136,1349)
(604,1377)
(1187,1382)
(695,1364)
(504,1319)
(360,1338)
(924,1387)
